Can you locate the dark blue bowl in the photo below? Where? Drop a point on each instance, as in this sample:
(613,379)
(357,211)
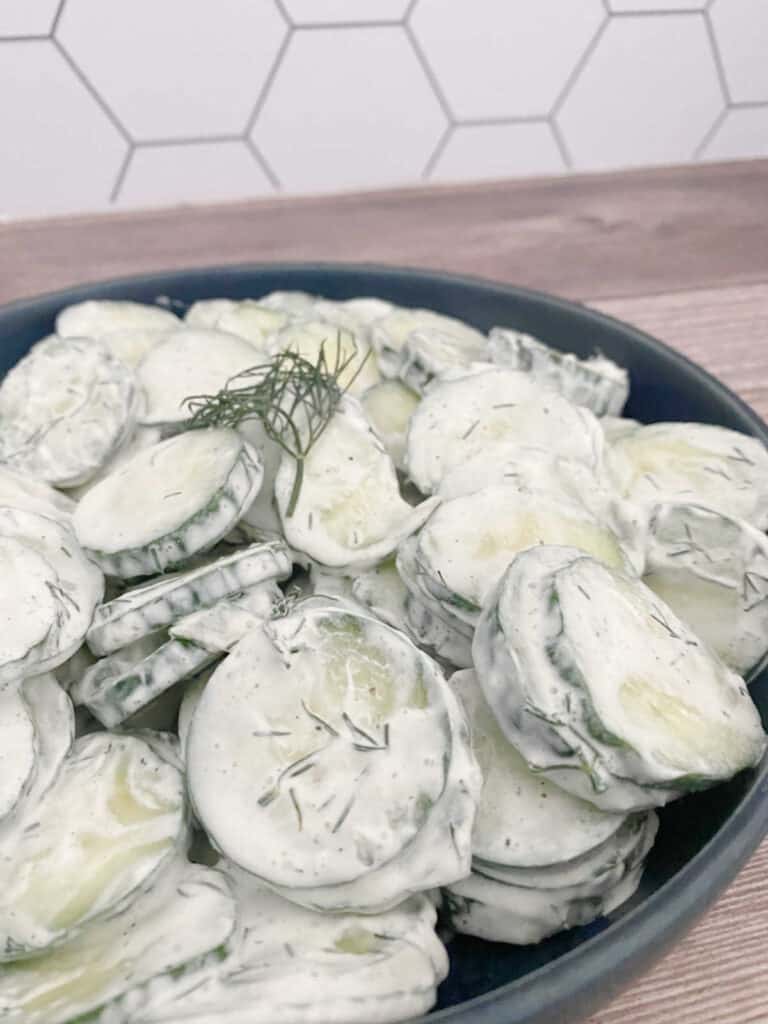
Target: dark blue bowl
(704,839)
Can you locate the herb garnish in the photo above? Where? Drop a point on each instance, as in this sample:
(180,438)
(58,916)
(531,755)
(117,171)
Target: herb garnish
(294,398)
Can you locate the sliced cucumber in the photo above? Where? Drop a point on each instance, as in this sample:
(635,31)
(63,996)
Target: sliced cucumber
(596,383)
(383,592)
(169,502)
(694,464)
(389,405)
(616,427)
(20,491)
(293,965)
(524,820)
(294,302)
(319,709)
(94,318)
(206,313)
(156,605)
(53,719)
(261,517)
(133,343)
(431,353)
(140,439)
(338,345)
(217,629)
(390,332)
(64,408)
(112,818)
(193,690)
(252,321)
(17,748)
(122,684)
(467,543)
(437,635)
(189,362)
(349,513)
(460,418)
(603,689)
(712,571)
(50,594)
(113,968)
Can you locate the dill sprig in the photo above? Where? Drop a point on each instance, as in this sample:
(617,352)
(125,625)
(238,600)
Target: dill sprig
(294,398)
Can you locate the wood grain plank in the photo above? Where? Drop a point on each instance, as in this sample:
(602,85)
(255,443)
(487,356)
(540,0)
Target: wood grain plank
(600,235)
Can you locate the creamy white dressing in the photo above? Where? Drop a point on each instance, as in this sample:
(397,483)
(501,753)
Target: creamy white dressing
(17,748)
(189,362)
(97,317)
(109,820)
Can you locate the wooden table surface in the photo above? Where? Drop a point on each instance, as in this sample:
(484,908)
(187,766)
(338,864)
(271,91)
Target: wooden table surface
(681,252)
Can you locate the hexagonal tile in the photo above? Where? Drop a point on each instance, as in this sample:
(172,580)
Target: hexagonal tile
(741,30)
(743,133)
(623,6)
(27,17)
(349,108)
(192,172)
(647,95)
(495,59)
(60,151)
(324,12)
(484,151)
(175,69)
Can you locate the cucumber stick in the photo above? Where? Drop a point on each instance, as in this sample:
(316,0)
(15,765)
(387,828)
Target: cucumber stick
(161,602)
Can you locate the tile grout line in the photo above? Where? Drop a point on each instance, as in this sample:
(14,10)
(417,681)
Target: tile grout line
(121,174)
(87,84)
(57,17)
(709,135)
(560,142)
(482,122)
(320,26)
(265,165)
(25,39)
(188,140)
(431,77)
(716,55)
(442,142)
(578,68)
(283,11)
(266,88)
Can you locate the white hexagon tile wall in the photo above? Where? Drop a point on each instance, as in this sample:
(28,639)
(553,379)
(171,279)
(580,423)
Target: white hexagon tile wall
(132,103)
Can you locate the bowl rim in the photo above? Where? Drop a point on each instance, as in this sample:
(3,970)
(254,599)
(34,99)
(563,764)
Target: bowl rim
(631,944)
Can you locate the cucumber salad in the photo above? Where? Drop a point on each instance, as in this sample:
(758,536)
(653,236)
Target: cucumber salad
(334,628)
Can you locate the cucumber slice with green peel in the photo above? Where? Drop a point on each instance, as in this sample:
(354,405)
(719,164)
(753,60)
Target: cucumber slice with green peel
(712,571)
(292,965)
(339,347)
(322,709)
(603,689)
(190,491)
(53,720)
(206,313)
(181,925)
(367,309)
(189,362)
(430,354)
(17,490)
(51,592)
(390,332)
(349,513)
(507,913)
(158,604)
(437,635)
(112,819)
(694,464)
(17,748)
(423,604)
(524,821)
(124,683)
(192,692)
(97,317)
(467,543)
(388,406)
(252,321)
(596,383)
(64,408)
(217,629)
(381,590)
(616,427)
(460,418)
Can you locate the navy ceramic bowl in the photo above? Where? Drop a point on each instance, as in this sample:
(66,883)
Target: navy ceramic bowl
(704,839)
